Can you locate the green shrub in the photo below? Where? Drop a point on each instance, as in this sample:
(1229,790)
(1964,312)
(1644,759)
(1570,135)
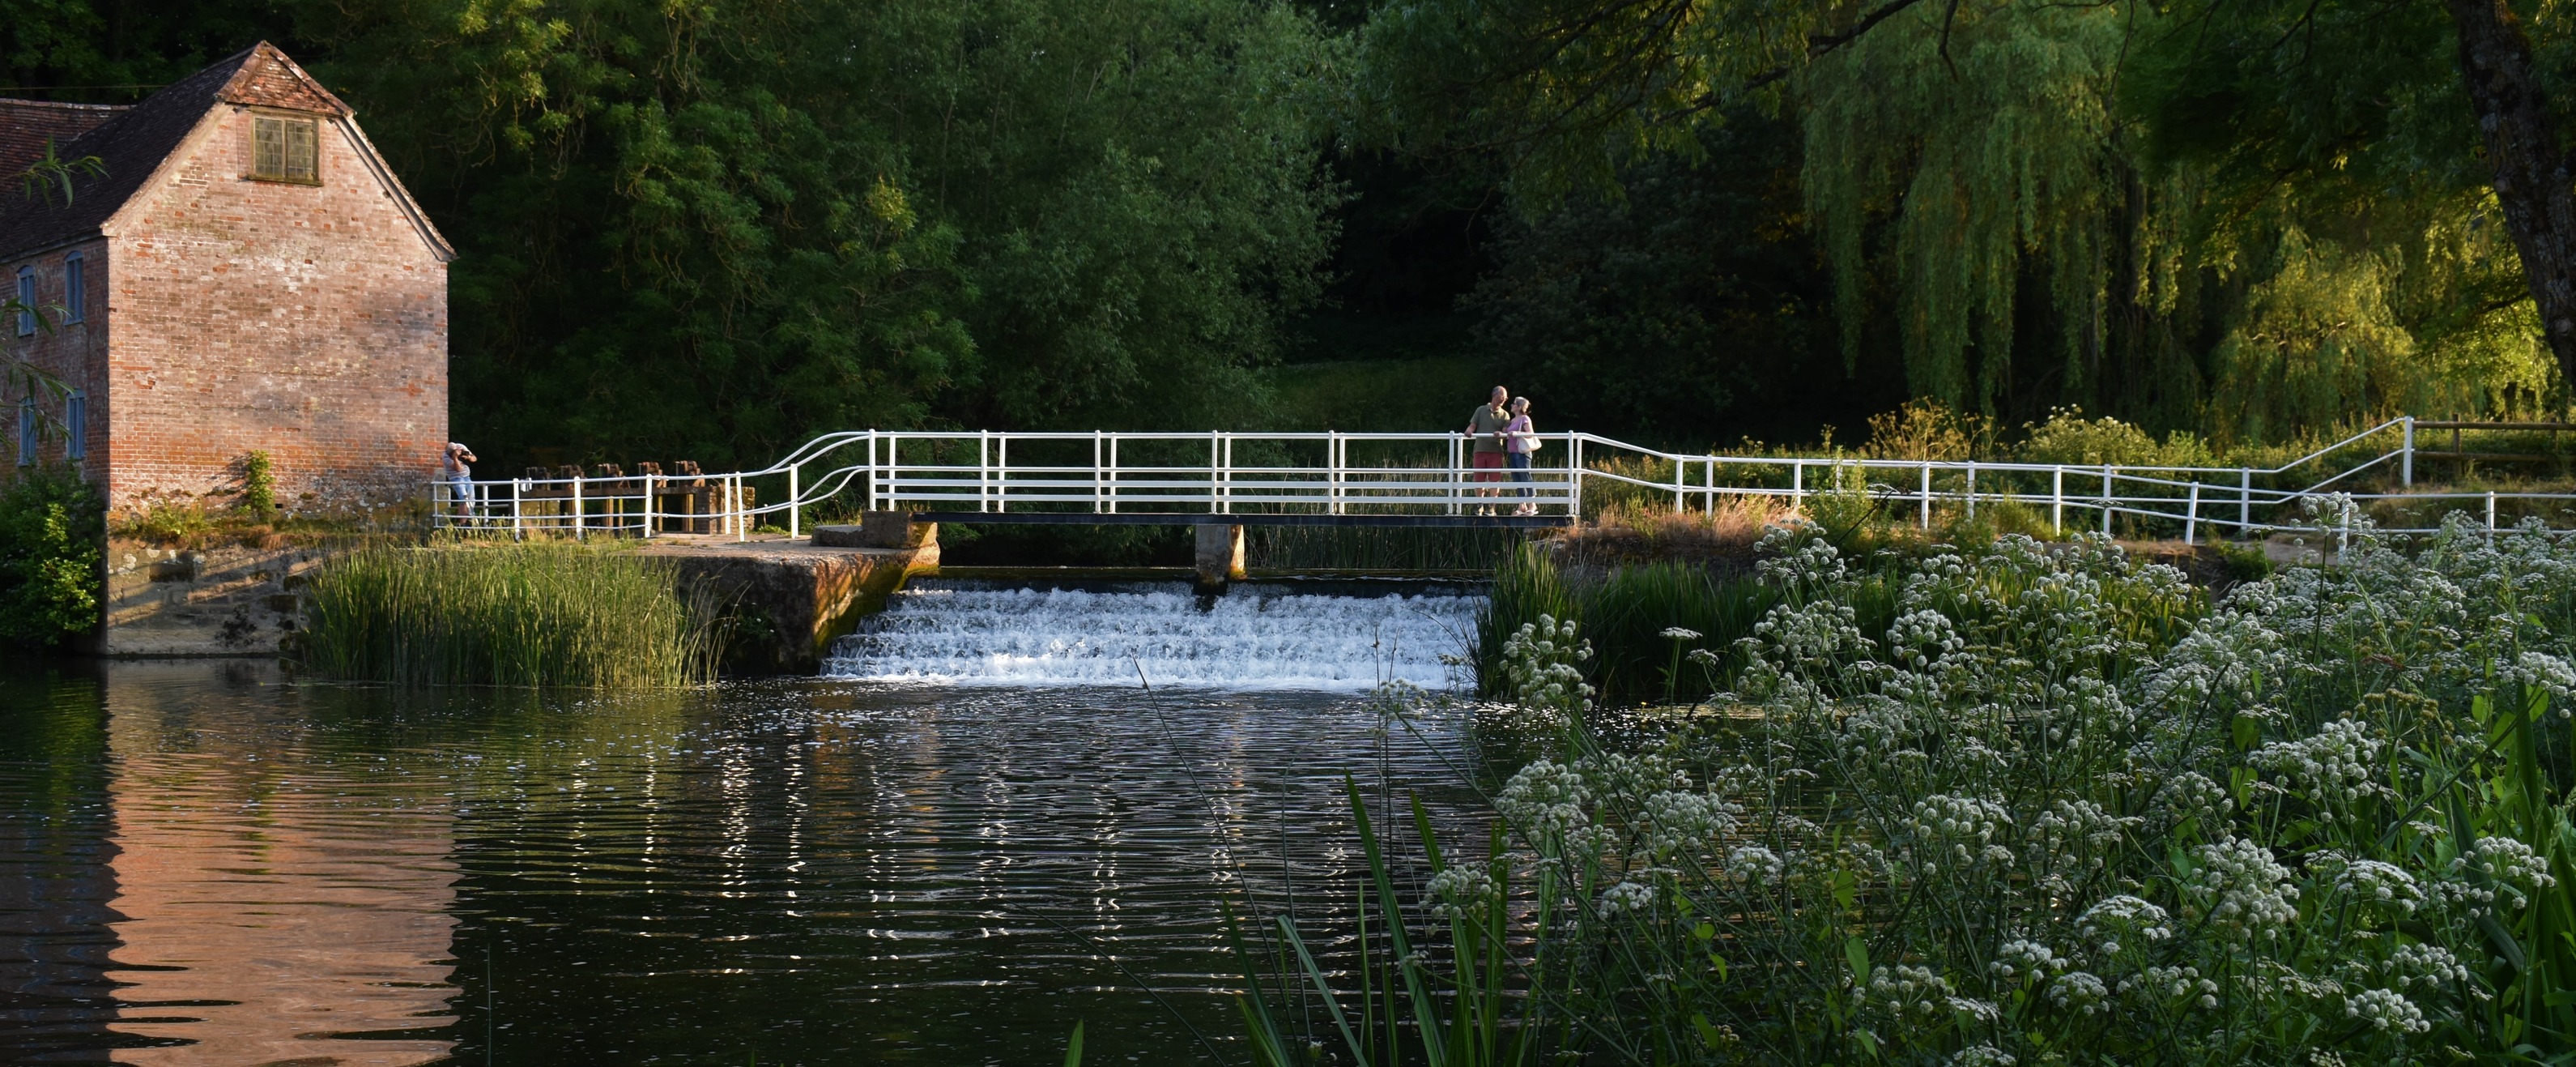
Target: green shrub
(258,486)
(544,614)
(2068,437)
(51,530)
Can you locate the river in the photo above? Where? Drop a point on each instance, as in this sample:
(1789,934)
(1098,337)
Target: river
(210,862)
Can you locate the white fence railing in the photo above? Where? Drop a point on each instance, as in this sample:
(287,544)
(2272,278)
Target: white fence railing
(1191,476)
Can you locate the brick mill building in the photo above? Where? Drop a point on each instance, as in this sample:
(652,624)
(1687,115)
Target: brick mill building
(245,273)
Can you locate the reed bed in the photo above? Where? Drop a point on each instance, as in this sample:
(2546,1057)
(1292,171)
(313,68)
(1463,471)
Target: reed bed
(1378,548)
(1636,615)
(534,614)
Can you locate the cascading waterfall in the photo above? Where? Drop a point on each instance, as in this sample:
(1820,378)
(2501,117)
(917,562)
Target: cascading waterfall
(1255,636)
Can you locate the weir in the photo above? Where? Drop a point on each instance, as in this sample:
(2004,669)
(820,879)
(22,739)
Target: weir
(1276,635)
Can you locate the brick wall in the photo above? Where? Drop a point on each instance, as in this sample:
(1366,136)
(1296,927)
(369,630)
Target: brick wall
(307,321)
(74,353)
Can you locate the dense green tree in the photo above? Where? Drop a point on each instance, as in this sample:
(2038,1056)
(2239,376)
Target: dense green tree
(1692,310)
(2261,219)
(721,227)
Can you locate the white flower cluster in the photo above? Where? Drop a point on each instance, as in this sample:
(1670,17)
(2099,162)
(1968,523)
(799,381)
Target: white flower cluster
(2509,865)
(1672,819)
(1753,865)
(1625,896)
(1960,828)
(1907,990)
(2547,672)
(1921,636)
(1545,800)
(2385,1009)
(2193,795)
(1460,890)
(2122,921)
(2021,959)
(2385,885)
(1812,634)
(2080,991)
(2174,983)
(1981,1056)
(2333,768)
(1544,662)
(2428,965)
(2240,888)
(2076,830)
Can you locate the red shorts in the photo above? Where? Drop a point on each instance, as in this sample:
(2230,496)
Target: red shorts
(1489,466)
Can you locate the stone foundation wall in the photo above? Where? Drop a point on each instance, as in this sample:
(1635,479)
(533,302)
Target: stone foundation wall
(222,601)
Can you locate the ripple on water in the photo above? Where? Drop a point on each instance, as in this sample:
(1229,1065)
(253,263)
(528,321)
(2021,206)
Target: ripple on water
(207,867)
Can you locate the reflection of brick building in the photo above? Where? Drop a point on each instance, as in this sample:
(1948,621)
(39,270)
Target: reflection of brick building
(245,274)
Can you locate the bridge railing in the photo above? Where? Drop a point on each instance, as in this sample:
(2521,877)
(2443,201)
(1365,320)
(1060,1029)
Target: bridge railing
(1221,473)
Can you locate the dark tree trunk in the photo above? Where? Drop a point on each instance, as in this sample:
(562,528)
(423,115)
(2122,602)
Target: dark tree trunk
(2532,182)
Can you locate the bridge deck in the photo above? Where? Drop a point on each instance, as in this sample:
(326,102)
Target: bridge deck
(1089,518)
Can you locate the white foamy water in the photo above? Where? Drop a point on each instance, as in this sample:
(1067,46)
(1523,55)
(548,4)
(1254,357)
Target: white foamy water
(1253,637)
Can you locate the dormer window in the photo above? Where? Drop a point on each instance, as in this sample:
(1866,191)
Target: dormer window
(285,150)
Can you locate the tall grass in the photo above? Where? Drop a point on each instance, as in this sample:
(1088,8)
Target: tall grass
(534,614)
(1627,612)
(1378,547)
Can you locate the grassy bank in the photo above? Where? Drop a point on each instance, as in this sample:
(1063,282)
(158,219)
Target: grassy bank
(537,614)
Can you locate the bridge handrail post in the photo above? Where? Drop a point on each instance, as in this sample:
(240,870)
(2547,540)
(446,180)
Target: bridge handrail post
(1798,484)
(1680,464)
(2191,517)
(2244,501)
(1332,472)
(580,515)
(648,506)
(1972,490)
(1574,471)
(872,471)
(984,471)
(1002,474)
(1097,472)
(2406,466)
(1214,460)
(1925,495)
(1113,474)
(2106,500)
(2057,501)
(1453,474)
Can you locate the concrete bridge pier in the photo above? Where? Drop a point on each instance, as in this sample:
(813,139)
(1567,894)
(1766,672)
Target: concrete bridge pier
(1220,556)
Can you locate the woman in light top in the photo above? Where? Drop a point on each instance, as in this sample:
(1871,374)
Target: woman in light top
(1520,438)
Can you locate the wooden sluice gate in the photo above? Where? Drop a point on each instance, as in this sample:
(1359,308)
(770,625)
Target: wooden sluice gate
(608,500)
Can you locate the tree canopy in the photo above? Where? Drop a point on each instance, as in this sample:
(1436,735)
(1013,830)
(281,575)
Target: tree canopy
(715,227)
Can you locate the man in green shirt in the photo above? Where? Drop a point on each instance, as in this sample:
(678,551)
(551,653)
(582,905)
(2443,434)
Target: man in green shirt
(1485,426)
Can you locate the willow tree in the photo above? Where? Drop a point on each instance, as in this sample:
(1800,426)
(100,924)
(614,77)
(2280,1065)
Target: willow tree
(2133,202)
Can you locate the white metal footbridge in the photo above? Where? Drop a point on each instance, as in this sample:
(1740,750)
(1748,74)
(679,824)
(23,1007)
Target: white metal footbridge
(1429,479)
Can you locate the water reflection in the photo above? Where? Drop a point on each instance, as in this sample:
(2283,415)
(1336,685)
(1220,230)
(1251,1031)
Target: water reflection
(271,908)
(211,867)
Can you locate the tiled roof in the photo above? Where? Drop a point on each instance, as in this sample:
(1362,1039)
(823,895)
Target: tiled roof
(27,125)
(133,144)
